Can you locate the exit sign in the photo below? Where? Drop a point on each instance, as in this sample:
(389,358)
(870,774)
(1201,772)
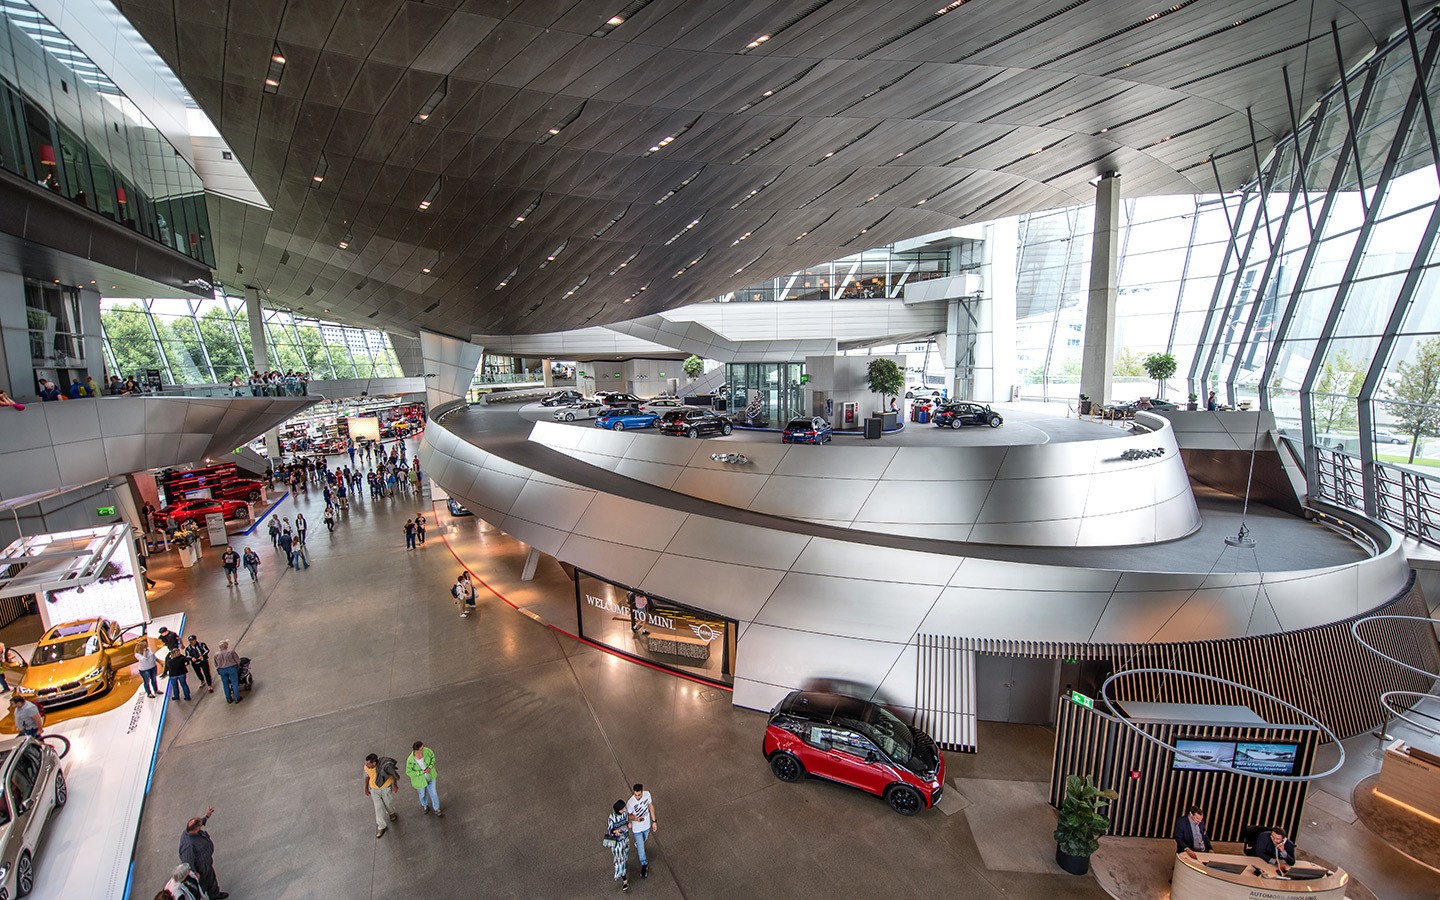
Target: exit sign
(104,510)
(1081,699)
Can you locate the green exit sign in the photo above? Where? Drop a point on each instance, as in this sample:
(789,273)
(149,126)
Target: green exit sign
(1081,699)
(104,510)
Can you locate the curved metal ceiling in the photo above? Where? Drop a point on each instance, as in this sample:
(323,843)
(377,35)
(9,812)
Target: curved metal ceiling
(540,165)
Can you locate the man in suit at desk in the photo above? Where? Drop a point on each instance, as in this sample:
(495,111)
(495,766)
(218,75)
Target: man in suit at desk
(1190,836)
(1275,848)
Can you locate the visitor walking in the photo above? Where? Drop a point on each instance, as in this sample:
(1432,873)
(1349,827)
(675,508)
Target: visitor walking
(145,658)
(199,654)
(198,852)
(420,767)
(301,526)
(641,810)
(287,546)
(382,781)
(231,561)
(274,532)
(420,529)
(300,556)
(409,534)
(227,663)
(464,593)
(251,561)
(617,841)
(183,885)
(176,665)
(329,519)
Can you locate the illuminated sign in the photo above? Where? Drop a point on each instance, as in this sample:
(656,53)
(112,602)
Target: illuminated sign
(104,510)
(1082,700)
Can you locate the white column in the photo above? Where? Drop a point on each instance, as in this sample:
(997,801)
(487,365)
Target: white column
(1097,361)
(260,355)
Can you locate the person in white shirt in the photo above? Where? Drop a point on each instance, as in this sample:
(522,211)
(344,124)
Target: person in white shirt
(640,809)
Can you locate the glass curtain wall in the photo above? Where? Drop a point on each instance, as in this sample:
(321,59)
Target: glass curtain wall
(65,125)
(875,274)
(208,342)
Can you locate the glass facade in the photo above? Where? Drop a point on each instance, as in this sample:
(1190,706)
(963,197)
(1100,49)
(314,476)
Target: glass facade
(64,125)
(873,274)
(208,342)
(766,394)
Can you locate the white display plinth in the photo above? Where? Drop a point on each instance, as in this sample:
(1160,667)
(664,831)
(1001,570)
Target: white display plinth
(88,845)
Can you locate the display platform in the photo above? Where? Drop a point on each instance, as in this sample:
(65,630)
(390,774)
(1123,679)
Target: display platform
(88,846)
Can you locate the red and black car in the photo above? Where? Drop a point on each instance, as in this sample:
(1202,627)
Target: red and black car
(961,412)
(854,742)
(196,510)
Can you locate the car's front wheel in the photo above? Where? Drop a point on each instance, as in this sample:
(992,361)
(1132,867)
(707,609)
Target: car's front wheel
(956,423)
(726,429)
(253,496)
(24,875)
(619,426)
(62,793)
(909,395)
(692,432)
(904,799)
(786,767)
(243,513)
(994,421)
(569,417)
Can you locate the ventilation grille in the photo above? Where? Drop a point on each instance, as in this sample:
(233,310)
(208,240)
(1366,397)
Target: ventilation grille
(1153,17)
(1022,29)
(780,29)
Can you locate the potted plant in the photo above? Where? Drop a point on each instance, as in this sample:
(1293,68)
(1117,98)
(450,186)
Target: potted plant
(693,367)
(187,540)
(884,377)
(1194,402)
(1084,404)
(1077,835)
(1160,366)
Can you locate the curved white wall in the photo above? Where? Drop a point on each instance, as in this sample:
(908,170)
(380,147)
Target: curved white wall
(1070,494)
(812,607)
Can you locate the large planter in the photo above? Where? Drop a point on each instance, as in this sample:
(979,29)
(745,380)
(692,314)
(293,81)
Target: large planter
(1085,407)
(190,555)
(1075,865)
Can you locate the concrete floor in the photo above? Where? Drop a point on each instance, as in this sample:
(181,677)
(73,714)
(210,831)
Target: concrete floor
(535,736)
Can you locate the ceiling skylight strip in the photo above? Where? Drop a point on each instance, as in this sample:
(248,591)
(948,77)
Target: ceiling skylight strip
(534,205)
(680,187)
(434,100)
(943,190)
(1022,29)
(862,232)
(431,194)
(628,260)
(681,233)
(555,254)
(669,139)
(745,199)
(868,94)
(773,91)
(276,70)
(508,278)
(1153,17)
(812,7)
(690,265)
(848,144)
(611,224)
(947,8)
(765,143)
(320,169)
(1198,38)
(563,123)
(620,18)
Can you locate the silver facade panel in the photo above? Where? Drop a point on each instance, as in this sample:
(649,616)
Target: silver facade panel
(1037,499)
(840,605)
(836,499)
(72,421)
(625,564)
(747,587)
(1137,617)
(552,505)
(629,522)
(853,463)
(930,503)
(1334,594)
(494,489)
(867,562)
(654,473)
(1005,576)
(1020,615)
(81,462)
(1211,613)
(126,452)
(732,488)
(946,464)
(702,537)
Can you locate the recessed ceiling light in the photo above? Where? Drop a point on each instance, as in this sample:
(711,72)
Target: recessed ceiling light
(614,20)
(272,82)
(317,178)
(279,58)
(757,42)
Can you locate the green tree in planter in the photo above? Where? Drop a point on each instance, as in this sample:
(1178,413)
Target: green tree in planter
(884,378)
(1160,366)
(1081,822)
(693,366)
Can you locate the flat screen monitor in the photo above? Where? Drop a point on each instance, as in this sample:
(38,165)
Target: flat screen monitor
(1265,758)
(1203,751)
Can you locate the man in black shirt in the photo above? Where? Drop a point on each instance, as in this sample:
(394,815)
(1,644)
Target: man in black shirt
(198,652)
(169,638)
(176,665)
(231,561)
(1276,849)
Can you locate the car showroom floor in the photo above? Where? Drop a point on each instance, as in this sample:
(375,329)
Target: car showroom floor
(535,735)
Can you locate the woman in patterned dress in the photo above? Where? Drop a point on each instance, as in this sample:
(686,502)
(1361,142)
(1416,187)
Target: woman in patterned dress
(617,840)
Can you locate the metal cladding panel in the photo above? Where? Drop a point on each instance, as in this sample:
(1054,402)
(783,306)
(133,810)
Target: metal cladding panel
(30,472)
(557,436)
(1137,617)
(551,505)
(81,462)
(746,587)
(836,499)
(503,466)
(1330,594)
(1020,615)
(20,436)
(959,533)
(1381,580)
(846,606)
(1177,516)
(931,464)
(655,449)
(542,538)
(72,420)
(701,537)
(1212,613)
(924,502)
(757,695)
(202,417)
(1031,499)
(629,522)
(823,556)
(731,488)
(654,473)
(764,458)
(163,416)
(121,418)
(625,564)
(494,489)
(1120,491)
(1040,461)
(126,452)
(598,460)
(192,446)
(856,463)
(781,656)
(598,440)
(161,446)
(1059,533)
(1120,529)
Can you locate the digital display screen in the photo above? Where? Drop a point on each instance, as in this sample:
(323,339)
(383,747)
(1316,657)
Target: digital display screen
(1267,759)
(1221,752)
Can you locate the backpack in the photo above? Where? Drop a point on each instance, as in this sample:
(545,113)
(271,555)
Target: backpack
(455,590)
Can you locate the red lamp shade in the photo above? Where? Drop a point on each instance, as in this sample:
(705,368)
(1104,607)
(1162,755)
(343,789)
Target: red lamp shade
(120,194)
(47,154)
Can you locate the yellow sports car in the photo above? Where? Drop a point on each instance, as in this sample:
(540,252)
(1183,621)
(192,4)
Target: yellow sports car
(75,661)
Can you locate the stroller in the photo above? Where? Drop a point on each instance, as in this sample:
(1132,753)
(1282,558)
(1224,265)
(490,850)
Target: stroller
(247,681)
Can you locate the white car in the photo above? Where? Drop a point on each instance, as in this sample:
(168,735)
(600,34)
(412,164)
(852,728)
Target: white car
(660,405)
(921,390)
(585,409)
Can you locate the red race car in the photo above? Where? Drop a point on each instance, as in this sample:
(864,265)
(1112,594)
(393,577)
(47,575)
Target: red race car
(196,510)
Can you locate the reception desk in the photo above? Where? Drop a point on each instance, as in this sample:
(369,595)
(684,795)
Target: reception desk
(1193,880)
(1411,779)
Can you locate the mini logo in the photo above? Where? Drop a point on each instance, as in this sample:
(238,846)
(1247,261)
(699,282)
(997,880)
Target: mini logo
(706,632)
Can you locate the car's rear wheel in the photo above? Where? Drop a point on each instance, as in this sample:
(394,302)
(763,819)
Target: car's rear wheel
(253,495)
(569,417)
(24,875)
(786,767)
(909,395)
(692,433)
(994,421)
(956,423)
(62,793)
(726,429)
(904,799)
(619,426)
(243,513)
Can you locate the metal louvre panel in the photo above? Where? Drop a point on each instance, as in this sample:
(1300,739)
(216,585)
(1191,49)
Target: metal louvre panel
(945,692)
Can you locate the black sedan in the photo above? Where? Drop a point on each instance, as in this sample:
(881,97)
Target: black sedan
(954,415)
(564,398)
(617,398)
(693,422)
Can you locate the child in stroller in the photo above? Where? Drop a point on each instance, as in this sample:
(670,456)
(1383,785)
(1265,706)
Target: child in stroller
(247,681)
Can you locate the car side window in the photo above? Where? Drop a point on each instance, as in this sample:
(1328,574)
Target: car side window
(855,744)
(820,736)
(25,774)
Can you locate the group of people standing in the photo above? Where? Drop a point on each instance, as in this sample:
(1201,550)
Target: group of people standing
(290,540)
(181,660)
(276,383)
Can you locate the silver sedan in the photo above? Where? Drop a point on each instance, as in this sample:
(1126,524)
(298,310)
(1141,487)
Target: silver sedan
(585,409)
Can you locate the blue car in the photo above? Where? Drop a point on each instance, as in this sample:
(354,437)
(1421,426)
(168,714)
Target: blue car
(456,509)
(621,418)
(807,431)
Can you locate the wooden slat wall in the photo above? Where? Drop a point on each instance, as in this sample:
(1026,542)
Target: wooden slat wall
(1090,743)
(1323,670)
(945,692)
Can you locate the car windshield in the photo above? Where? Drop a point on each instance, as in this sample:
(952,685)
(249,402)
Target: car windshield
(892,735)
(60,651)
(799,425)
(675,415)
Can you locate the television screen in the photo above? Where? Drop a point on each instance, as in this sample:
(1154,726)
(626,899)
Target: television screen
(1267,759)
(1203,751)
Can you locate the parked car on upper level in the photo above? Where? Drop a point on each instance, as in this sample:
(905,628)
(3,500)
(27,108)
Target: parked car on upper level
(34,787)
(963,412)
(921,390)
(564,398)
(617,398)
(622,417)
(854,742)
(585,409)
(692,422)
(661,405)
(197,509)
(814,430)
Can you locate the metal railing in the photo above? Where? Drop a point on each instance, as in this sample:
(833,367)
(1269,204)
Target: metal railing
(1405,498)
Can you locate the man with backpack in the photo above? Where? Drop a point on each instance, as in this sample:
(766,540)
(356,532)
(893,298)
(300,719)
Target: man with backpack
(382,782)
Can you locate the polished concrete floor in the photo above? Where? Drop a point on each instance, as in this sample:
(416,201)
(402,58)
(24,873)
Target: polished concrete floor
(535,736)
